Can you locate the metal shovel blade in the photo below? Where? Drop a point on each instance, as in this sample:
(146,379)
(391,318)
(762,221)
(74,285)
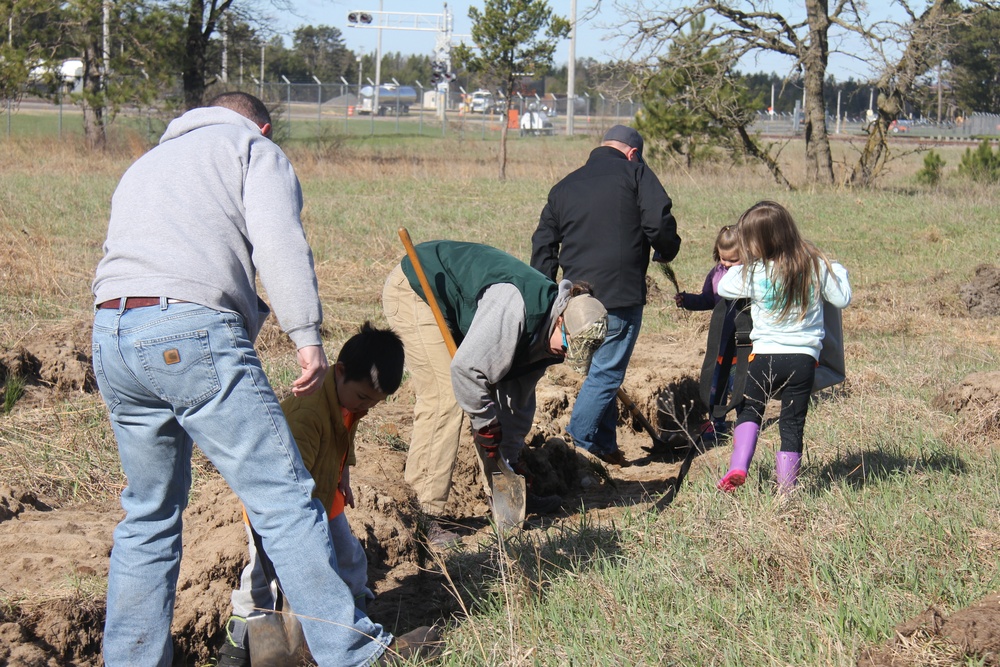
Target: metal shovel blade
(275,639)
(509,499)
(507,495)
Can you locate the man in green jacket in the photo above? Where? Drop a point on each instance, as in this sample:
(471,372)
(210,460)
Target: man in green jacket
(510,323)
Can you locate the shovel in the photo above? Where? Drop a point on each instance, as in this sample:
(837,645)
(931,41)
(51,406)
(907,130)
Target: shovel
(660,447)
(659,444)
(507,493)
(275,636)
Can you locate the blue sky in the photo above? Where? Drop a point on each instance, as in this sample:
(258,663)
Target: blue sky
(595,38)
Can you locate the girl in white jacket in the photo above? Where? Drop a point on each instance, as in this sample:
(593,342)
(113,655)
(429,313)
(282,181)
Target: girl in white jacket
(786,279)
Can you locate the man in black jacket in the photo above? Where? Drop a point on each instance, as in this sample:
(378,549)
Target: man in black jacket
(599,225)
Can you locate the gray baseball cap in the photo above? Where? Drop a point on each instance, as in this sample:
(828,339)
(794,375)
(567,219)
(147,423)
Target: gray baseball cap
(626,135)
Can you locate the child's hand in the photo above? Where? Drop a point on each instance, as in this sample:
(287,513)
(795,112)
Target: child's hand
(679,299)
(345,487)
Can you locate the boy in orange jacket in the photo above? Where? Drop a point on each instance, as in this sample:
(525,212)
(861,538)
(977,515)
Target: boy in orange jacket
(369,368)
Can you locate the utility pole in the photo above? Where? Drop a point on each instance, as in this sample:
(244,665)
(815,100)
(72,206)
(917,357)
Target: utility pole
(571,84)
(378,65)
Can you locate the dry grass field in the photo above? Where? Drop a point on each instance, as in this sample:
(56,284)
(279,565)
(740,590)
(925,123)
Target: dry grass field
(886,556)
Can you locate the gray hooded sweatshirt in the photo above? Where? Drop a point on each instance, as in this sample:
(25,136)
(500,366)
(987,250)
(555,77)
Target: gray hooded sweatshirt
(197,216)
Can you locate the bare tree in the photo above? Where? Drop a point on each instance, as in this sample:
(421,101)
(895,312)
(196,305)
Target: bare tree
(693,101)
(752,26)
(921,42)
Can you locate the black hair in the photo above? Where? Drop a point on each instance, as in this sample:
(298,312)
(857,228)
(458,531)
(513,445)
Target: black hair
(375,355)
(244,104)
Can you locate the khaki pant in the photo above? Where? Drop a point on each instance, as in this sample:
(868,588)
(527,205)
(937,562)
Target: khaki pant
(437,417)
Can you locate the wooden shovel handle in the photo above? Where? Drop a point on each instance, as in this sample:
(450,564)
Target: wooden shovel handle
(411,252)
(634,411)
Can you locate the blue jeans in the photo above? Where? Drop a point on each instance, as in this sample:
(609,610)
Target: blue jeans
(176,374)
(255,593)
(595,412)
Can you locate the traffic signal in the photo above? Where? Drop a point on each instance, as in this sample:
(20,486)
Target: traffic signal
(359,17)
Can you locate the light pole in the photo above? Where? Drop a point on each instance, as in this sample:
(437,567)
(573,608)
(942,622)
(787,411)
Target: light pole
(571,84)
(378,62)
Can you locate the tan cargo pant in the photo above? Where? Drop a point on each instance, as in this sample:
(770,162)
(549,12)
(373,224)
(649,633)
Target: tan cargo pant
(437,418)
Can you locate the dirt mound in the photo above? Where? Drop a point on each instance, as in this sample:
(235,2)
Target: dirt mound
(982,295)
(970,634)
(976,401)
(58,358)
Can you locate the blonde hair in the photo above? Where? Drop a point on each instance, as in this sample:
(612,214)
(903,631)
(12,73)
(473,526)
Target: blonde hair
(767,233)
(727,239)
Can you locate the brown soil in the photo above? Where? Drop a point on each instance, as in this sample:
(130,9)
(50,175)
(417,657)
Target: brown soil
(973,631)
(55,558)
(976,402)
(982,295)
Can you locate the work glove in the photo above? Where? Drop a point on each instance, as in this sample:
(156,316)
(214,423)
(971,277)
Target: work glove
(488,437)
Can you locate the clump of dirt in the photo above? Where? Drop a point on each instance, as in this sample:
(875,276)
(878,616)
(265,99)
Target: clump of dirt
(57,359)
(970,634)
(982,295)
(976,401)
(13,502)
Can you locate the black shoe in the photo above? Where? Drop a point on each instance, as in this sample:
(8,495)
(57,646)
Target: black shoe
(423,642)
(542,504)
(233,656)
(235,652)
(440,537)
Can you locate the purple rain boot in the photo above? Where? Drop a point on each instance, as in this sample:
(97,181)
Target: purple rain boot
(786,470)
(744,445)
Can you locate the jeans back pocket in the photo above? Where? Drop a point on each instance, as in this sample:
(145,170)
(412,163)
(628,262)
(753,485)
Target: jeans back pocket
(179,367)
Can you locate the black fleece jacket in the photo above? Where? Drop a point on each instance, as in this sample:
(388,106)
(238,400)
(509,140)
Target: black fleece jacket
(599,224)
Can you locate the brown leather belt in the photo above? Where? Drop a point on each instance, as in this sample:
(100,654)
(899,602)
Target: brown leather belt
(134,302)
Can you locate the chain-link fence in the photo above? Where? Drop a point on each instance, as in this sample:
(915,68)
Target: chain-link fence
(974,126)
(319,110)
(316,111)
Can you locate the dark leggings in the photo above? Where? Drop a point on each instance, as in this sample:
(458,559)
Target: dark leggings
(789,376)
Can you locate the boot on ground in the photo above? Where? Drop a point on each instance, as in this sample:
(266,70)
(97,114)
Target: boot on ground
(424,642)
(744,446)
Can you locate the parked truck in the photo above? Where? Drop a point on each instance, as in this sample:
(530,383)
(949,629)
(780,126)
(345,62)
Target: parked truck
(392,99)
(481,101)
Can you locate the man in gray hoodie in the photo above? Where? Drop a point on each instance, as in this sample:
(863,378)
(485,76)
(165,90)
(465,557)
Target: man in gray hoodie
(177,312)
